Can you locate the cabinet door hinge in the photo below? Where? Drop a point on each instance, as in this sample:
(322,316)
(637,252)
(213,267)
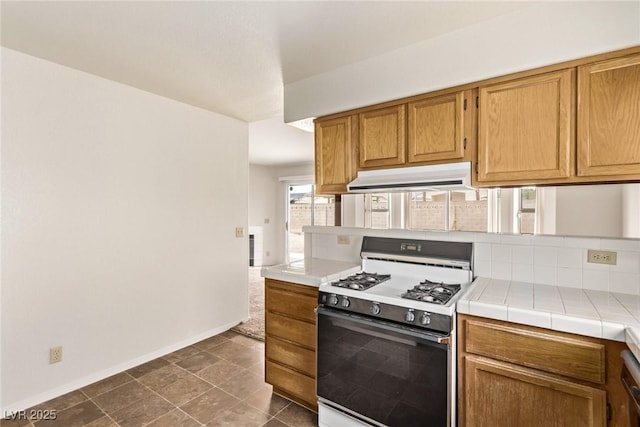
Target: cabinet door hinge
(465,104)
(476,168)
(477,101)
(608,411)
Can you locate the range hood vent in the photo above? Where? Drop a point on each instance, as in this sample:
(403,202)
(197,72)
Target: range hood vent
(450,176)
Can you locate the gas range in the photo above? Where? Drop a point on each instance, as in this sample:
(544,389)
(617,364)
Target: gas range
(404,279)
(386,336)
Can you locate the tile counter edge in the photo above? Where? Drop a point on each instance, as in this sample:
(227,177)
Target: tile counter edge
(495,299)
(310,271)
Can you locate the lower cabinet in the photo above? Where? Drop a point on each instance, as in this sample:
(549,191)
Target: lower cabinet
(290,340)
(516,375)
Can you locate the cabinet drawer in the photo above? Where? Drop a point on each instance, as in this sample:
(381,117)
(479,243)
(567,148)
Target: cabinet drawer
(297,331)
(299,358)
(292,383)
(544,350)
(297,301)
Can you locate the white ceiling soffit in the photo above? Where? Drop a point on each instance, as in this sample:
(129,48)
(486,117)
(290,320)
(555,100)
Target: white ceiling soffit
(228,57)
(271,143)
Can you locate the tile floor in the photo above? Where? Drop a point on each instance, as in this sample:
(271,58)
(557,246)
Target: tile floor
(216,382)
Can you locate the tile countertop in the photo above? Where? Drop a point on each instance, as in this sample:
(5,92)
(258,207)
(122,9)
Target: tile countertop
(310,271)
(598,314)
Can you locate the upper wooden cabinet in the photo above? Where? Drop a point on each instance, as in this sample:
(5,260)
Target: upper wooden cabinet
(525,129)
(570,123)
(422,131)
(382,137)
(609,117)
(335,154)
(436,128)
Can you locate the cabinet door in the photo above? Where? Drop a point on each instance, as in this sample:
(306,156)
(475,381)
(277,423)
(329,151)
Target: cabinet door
(609,117)
(436,129)
(382,137)
(500,394)
(525,129)
(335,154)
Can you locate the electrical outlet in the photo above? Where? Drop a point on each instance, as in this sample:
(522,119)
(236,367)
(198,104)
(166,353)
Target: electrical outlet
(239,232)
(343,240)
(55,354)
(267,220)
(602,257)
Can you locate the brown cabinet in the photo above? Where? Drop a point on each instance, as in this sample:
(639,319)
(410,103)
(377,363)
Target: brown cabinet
(436,128)
(609,118)
(382,138)
(501,394)
(428,129)
(335,154)
(290,340)
(569,123)
(526,128)
(510,374)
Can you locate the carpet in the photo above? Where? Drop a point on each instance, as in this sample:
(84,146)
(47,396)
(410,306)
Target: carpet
(254,327)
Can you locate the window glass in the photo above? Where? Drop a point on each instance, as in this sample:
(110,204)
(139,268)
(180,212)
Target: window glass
(427,210)
(468,210)
(377,211)
(527,212)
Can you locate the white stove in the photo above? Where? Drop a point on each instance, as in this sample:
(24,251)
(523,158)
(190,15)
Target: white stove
(381,353)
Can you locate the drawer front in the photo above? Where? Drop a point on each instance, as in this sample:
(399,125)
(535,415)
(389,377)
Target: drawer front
(291,382)
(297,331)
(278,299)
(546,351)
(298,358)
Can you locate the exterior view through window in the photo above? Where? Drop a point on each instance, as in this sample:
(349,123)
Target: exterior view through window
(304,208)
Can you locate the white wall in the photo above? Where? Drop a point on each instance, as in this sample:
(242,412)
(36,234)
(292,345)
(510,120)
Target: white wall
(118,216)
(267,200)
(631,210)
(592,209)
(543,34)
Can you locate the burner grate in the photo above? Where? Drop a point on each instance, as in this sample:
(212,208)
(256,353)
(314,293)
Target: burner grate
(361,281)
(433,292)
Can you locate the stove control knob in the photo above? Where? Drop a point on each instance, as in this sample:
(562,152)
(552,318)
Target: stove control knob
(345,302)
(425,319)
(333,299)
(410,316)
(375,308)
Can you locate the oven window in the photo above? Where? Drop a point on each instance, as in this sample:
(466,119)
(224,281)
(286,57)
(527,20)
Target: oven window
(387,377)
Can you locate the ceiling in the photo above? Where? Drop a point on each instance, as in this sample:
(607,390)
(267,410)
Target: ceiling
(230,57)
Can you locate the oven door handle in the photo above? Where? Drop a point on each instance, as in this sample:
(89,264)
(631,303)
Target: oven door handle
(388,327)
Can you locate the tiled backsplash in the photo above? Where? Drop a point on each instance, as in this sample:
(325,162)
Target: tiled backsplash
(547,260)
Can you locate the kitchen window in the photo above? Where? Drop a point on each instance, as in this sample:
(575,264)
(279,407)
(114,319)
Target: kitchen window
(448,210)
(377,210)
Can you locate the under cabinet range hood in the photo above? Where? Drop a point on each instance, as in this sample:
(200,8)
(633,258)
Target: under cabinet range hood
(449,176)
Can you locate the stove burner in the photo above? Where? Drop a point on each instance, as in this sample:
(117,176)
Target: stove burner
(433,292)
(361,281)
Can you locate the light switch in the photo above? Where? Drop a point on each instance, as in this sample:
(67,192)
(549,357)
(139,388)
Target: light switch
(239,232)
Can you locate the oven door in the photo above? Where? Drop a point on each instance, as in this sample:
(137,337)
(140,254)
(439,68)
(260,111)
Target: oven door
(382,373)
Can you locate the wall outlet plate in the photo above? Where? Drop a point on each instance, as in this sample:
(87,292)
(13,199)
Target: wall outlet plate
(343,240)
(239,232)
(602,257)
(55,354)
